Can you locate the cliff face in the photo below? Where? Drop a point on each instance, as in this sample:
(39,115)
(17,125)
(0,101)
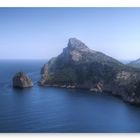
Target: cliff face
(20,80)
(80,67)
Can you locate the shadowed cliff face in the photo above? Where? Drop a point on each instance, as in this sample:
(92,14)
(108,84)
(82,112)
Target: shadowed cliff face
(80,67)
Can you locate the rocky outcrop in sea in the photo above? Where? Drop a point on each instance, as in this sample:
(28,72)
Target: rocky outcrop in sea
(21,80)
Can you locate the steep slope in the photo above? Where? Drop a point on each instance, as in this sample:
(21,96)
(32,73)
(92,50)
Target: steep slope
(135,64)
(80,67)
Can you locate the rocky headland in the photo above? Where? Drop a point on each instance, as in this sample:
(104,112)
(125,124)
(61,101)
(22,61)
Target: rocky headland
(80,67)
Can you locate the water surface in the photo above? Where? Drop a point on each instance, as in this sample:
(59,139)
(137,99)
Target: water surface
(41,109)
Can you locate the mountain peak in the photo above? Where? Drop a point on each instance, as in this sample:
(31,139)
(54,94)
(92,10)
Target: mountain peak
(77,52)
(74,43)
(74,51)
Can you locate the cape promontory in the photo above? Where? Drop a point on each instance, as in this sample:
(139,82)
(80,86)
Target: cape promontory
(21,80)
(80,67)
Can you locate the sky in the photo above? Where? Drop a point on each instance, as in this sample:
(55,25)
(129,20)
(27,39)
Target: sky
(42,33)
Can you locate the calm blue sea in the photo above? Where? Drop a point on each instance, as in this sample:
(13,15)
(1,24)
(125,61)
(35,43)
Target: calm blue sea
(41,109)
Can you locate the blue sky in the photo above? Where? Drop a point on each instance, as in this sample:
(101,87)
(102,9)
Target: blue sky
(42,33)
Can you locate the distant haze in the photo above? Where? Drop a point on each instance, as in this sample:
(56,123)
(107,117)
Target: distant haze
(42,33)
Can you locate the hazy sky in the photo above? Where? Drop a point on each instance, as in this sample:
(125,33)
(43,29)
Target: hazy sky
(41,33)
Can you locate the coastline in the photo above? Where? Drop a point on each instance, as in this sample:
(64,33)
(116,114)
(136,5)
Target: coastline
(126,99)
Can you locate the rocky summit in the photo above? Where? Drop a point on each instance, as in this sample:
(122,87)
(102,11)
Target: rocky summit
(21,80)
(80,67)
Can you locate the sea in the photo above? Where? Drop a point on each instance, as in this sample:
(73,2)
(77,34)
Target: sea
(59,110)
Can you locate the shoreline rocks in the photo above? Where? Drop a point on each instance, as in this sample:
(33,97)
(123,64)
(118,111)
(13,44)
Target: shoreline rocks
(60,86)
(21,80)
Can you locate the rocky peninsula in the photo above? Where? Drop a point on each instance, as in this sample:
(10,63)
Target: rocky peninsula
(80,67)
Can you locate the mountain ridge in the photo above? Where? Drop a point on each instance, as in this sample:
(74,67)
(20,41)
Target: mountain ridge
(135,63)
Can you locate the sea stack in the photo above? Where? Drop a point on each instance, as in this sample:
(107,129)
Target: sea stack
(21,80)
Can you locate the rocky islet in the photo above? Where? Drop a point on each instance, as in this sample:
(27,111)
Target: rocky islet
(21,80)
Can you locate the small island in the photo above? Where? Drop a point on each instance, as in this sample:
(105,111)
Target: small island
(21,80)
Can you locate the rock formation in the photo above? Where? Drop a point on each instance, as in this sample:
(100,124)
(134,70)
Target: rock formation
(80,67)
(21,80)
